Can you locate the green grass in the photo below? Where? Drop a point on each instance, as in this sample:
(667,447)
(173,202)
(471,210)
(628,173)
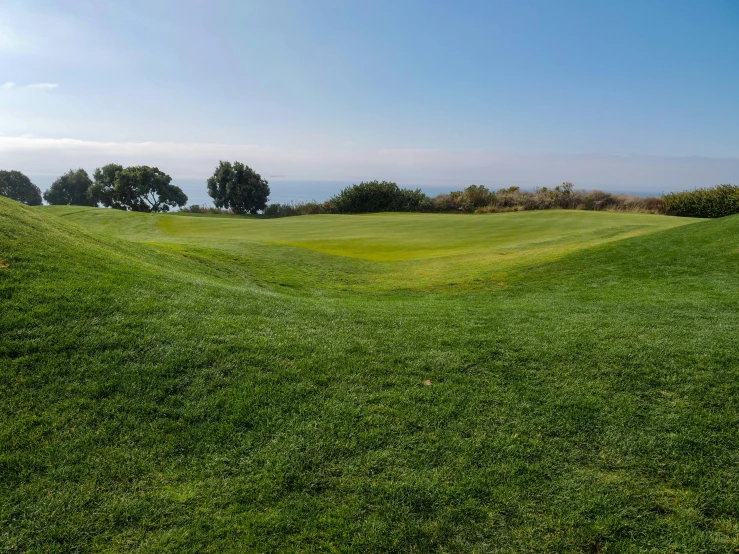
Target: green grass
(176,383)
(430,251)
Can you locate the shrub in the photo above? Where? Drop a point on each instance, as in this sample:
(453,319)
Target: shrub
(479,199)
(509,197)
(447,202)
(654,204)
(379,196)
(718,201)
(471,199)
(476,196)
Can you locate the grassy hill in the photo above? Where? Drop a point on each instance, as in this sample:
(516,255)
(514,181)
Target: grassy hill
(179,383)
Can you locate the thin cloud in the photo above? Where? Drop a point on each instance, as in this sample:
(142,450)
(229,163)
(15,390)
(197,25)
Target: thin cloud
(8,85)
(43,85)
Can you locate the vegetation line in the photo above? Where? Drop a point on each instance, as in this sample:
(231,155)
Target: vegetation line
(237,189)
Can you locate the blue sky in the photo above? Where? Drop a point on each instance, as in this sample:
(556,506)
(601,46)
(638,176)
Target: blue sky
(629,95)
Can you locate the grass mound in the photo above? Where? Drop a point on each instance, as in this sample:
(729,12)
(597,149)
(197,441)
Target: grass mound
(173,383)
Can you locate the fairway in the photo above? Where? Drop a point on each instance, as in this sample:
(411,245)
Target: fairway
(438,249)
(541,381)
(385,237)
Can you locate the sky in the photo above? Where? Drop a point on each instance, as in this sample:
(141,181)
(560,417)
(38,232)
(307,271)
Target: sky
(628,96)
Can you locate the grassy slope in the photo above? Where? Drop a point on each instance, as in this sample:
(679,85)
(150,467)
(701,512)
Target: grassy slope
(178,393)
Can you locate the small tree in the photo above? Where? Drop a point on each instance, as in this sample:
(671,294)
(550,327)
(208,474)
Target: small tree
(137,188)
(70,188)
(239,188)
(17,186)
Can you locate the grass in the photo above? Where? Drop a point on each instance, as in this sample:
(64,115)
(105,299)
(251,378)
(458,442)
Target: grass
(176,383)
(429,251)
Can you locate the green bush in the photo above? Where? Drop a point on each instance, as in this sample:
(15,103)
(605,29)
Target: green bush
(379,196)
(718,201)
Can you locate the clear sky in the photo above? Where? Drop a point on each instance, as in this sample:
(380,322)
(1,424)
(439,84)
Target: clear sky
(627,95)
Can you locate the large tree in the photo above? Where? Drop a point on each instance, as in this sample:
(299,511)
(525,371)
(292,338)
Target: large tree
(138,188)
(238,187)
(71,188)
(102,191)
(17,186)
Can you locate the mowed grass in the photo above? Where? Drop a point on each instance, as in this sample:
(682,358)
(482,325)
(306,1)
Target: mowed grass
(414,251)
(173,383)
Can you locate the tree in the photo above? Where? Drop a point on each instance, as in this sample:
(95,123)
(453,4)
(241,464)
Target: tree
(138,188)
(70,188)
(102,191)
(17,186)
(238,187)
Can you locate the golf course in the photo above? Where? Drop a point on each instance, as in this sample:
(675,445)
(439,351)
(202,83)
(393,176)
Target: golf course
(534,381)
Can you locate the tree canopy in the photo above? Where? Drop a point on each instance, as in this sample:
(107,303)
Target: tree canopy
(137,188)
(70,188)
(238,187)
(17,186)
(102,191)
